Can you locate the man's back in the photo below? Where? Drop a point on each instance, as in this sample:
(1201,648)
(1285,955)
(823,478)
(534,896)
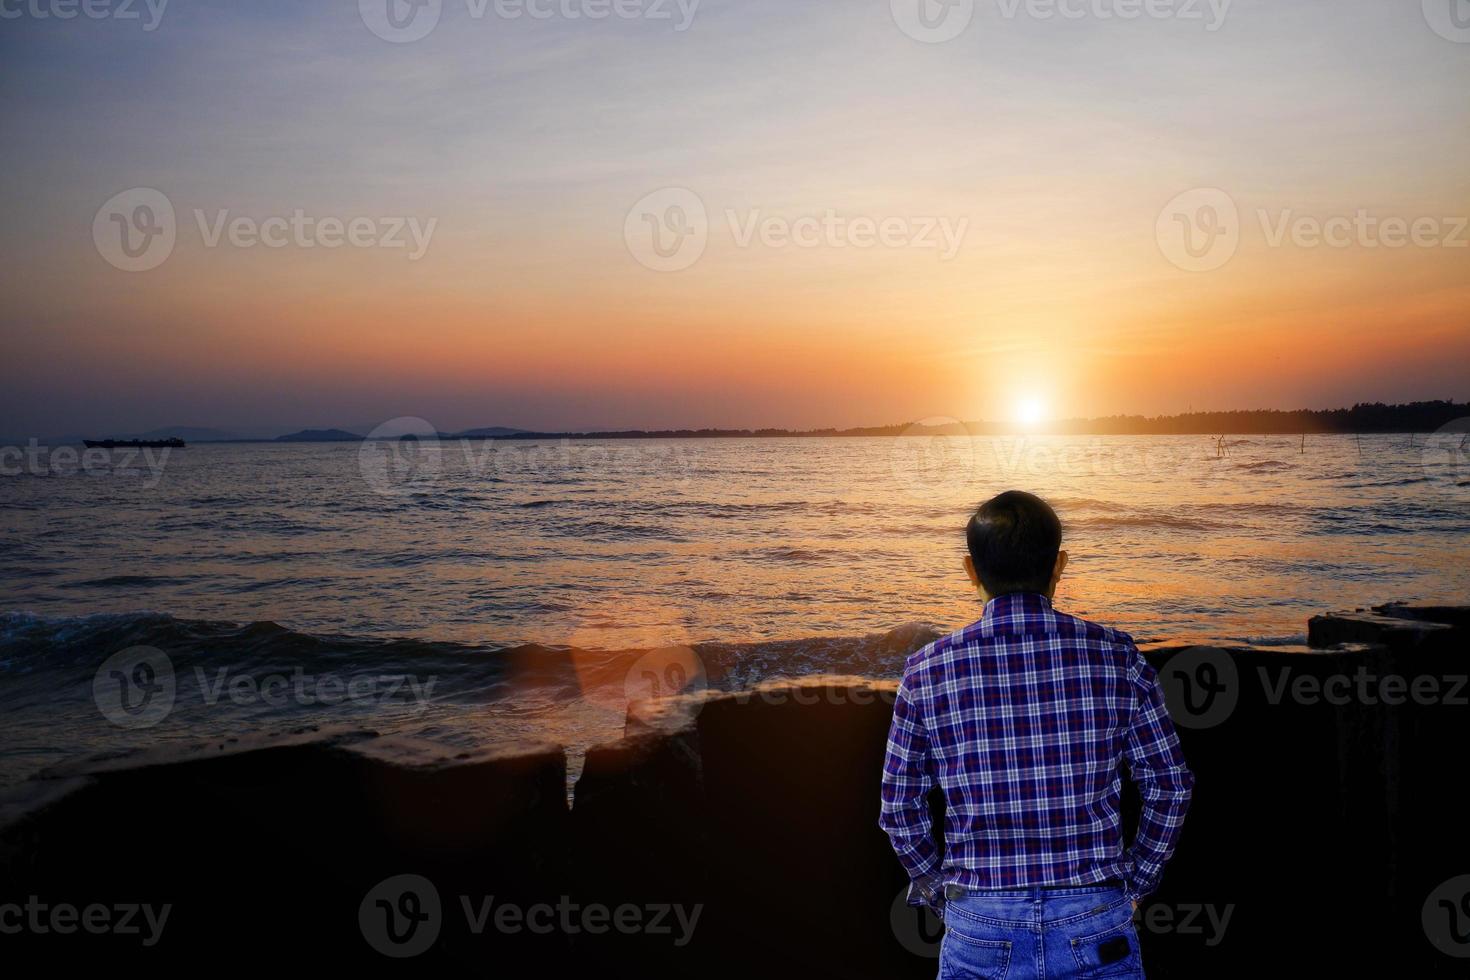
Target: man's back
(1025,719)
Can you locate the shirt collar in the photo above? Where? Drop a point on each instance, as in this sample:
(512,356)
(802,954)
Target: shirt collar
(1015,605)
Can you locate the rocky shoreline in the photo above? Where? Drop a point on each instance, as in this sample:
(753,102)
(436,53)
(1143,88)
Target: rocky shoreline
(731,834)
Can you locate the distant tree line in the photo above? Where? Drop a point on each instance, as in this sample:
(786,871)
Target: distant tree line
(1363,417)
(1366,417)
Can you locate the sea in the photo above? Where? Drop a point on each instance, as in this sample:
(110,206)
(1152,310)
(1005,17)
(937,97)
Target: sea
(469,592)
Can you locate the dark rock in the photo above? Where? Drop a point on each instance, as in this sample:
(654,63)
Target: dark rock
(1395,632)
(1265,827)
(276,840)
(641,834)
(1456,616)
(764,806)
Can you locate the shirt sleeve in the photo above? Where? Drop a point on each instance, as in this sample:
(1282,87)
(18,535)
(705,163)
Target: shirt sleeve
(1164,781)
(908,776)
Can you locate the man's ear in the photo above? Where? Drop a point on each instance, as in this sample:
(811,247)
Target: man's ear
(1057,569)
(970,571)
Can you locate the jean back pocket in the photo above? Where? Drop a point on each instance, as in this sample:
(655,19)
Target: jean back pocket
(1113,953)
(970,958)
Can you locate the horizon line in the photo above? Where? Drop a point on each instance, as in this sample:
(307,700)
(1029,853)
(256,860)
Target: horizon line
(1372,418)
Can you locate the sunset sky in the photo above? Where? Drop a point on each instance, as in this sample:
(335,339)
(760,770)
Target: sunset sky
(1056,143)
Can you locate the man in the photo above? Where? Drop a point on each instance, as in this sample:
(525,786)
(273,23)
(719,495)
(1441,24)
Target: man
(1025,720)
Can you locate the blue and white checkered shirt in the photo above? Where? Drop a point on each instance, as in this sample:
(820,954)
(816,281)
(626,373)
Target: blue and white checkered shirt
(1025,719)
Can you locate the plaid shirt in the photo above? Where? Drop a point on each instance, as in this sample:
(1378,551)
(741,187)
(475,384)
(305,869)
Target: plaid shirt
(1025,719)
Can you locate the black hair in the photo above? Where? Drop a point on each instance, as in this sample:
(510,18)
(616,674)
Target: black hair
(1014,538)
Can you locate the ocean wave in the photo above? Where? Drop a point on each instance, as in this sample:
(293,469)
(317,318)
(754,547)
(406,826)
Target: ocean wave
(125,582)
(1361,527)
(1165,522)
(711,508)
(1065,504)
(32,644)
(785,556)
(1404,481)
(1294,639)
(612,531)
(24,571)
(1266,507)
(415,559)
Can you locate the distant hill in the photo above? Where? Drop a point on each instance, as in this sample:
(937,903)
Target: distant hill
(320,435)
(492,432)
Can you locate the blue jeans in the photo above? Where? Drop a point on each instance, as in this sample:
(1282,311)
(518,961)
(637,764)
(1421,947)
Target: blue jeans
(1040,934)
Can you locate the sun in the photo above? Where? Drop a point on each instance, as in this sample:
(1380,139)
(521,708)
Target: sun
(1030,411)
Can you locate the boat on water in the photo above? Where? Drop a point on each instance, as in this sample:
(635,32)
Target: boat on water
(134,443)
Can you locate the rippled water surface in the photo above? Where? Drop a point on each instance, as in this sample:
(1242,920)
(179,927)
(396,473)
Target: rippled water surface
(773,555)
(625,544)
